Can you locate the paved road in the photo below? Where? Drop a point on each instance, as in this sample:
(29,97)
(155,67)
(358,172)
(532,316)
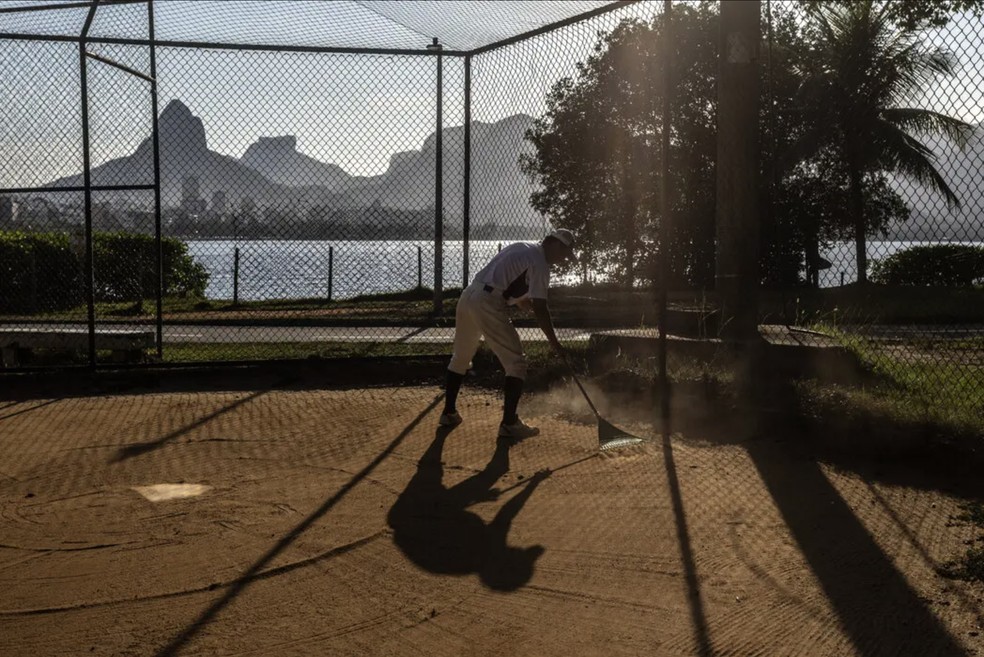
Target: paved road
(205,333)
(337,334)
(240,334)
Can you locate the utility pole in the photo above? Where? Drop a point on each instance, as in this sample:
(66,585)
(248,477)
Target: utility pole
(737,214)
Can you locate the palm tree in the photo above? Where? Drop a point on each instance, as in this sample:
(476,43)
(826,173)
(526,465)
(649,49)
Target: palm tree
(862,73)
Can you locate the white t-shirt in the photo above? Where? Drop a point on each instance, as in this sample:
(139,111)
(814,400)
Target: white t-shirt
(520,270)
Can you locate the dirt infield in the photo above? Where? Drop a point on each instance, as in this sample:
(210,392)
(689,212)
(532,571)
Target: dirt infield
(324,522)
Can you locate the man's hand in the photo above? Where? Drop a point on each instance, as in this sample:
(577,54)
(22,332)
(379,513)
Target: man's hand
(525,304)
(543,319)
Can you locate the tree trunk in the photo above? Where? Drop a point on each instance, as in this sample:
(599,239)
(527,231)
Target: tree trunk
(857,216)
(628,224)
(630,244)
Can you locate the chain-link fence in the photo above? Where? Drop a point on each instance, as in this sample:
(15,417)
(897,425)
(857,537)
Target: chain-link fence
(329,175)
(871,231)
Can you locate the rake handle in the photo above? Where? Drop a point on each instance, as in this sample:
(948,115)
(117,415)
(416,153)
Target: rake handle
(584,392)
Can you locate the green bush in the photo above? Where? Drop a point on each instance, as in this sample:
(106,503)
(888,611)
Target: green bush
(940,265)
(126,268)
(41,272)
(38,272)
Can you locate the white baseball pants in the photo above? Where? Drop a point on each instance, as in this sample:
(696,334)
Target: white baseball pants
(480,313)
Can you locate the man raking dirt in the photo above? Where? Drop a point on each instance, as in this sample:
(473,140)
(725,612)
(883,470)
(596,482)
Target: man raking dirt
(517,275)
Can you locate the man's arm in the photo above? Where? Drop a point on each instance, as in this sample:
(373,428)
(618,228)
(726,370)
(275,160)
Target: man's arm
(542,313)
(525,304)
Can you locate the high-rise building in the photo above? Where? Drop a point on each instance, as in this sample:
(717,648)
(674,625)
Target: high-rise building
(191,202)
(189,189)
(218,202)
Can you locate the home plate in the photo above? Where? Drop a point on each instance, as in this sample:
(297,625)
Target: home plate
(162,492)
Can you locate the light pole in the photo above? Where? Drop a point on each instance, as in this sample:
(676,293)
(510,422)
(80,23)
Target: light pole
(738,168)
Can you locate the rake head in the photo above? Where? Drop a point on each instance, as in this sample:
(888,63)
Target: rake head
(611,437)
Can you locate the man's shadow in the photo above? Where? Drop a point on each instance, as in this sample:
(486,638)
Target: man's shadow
(434,529)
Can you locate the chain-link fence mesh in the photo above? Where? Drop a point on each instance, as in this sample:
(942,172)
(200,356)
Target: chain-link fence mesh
(871,225)
(301,212)
(299,196)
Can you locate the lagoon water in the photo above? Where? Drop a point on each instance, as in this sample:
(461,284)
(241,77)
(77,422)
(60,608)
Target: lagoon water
(301,269)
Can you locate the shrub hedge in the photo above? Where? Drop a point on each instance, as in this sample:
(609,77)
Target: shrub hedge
(125,268)
(38,271)
(939,265)
(42,272)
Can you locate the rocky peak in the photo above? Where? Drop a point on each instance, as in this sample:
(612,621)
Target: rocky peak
(266,147)
(179,127)
(512,126)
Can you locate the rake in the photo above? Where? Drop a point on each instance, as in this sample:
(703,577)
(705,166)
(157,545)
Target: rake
(609,436)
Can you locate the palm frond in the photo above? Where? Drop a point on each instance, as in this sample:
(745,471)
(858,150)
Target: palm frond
(898,151)
(884,13)
(825,16)
(912,67)
(927,122)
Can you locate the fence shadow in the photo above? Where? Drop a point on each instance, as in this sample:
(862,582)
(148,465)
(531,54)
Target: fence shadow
(137,449)
(878,610)
(697,616)
(22,411)
(433,527)
(311,374)
(256,571)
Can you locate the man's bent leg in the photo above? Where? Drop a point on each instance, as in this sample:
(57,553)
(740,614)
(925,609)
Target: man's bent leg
(513,391)
(467,336)
(512,427)
(503,339)
(452,385)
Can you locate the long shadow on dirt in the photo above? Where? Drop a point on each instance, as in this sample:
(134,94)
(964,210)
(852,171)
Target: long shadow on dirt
(138,449)
(878,610)
(257,570)
(433,527)
(27,410)
(694,601)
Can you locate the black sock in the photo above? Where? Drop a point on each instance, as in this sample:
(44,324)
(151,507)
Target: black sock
(514,390)
(452,384)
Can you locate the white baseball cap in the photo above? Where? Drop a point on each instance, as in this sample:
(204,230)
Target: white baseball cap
(564,236)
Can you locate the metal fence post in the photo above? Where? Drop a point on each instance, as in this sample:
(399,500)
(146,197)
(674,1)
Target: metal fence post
(158,232)
(235,276)
(90,298)
(665,219)
(420,267)
(439,184)
(466,211)
(331,270)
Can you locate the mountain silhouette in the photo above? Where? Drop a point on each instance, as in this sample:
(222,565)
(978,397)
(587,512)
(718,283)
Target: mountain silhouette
(963,171)
(184,154)
(499,190)
(277,158)
(272,173)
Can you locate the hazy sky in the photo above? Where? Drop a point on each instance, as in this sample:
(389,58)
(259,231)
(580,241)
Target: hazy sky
(353,110)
